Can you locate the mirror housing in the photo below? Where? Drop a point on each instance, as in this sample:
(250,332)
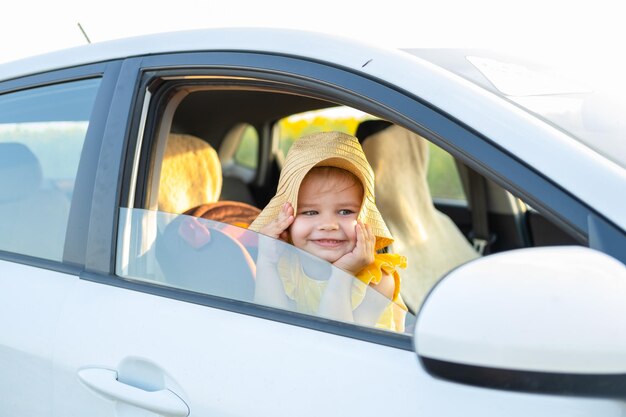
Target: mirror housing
(549,320)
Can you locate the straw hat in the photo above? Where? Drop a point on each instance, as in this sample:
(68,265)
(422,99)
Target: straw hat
(334,149)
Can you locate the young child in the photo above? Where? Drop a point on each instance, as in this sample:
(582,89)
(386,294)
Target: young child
(325,206)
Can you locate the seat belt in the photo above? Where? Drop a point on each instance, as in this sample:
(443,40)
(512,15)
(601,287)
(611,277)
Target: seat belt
(480,236)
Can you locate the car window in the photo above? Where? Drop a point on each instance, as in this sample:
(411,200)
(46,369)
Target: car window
(418,190)
(42,131)
(248,150)
(443,177)
(223,260)
(188,182)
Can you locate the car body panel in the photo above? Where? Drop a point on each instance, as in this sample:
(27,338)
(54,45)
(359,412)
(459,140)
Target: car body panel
(239,376)
(86,325)
(31,304)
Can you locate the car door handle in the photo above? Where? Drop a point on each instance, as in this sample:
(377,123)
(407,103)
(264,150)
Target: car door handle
(105,383)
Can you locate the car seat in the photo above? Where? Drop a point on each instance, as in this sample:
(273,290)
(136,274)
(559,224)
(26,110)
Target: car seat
(223,267)
(234,187)
(428,238)
(33,217)
(191,183)
(191,174)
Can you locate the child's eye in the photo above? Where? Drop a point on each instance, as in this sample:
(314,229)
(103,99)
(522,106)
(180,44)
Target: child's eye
(345,212)
(309,213)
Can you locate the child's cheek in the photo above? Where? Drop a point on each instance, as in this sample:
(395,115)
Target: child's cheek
(353,225)
(353,233)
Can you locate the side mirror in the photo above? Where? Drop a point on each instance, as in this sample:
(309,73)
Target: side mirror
(549,320)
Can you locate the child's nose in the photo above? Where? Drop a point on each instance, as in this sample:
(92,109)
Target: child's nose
(328,223)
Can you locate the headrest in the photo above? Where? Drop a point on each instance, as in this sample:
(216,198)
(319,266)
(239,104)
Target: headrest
(369,127)
(191,174)
(20,172)
(408,151)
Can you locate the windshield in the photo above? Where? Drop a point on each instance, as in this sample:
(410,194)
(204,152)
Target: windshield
(589,105)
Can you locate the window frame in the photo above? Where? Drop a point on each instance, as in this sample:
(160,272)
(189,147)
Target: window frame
(323,81)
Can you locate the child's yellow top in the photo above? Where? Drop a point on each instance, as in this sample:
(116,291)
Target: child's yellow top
(307,292)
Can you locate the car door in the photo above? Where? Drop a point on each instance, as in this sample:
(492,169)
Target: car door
(124,345)
(49,126)
(132,343)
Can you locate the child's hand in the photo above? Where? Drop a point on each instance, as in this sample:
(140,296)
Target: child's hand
(270,250)
(363,252)
(194,233)
(278,228)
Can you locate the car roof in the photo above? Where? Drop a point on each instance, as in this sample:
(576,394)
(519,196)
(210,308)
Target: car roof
(280,41)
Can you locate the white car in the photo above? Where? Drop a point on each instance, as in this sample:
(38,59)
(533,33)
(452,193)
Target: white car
(504,186)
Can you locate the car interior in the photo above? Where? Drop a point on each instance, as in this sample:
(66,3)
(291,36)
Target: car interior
(216,152)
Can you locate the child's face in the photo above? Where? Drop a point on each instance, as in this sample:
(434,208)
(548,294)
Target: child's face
(328,207)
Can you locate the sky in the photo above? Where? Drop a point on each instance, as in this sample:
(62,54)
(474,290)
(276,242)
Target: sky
(587,33)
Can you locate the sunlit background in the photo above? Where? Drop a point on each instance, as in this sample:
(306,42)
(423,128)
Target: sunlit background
(587,35)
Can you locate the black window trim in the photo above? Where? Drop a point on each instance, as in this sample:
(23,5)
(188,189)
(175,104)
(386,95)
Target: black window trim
(103,216)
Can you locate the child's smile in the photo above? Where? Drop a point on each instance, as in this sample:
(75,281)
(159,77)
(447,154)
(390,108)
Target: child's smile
(329,243)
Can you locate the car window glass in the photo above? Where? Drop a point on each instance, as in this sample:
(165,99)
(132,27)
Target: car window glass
(223,260)
(42,131)
(418,192)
